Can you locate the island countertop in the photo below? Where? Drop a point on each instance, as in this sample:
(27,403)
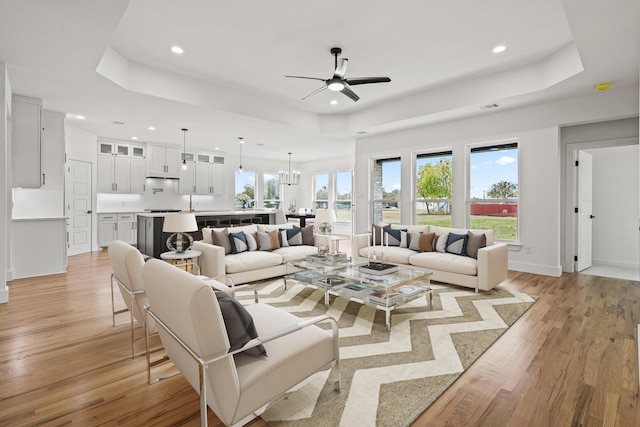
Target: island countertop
(197,213)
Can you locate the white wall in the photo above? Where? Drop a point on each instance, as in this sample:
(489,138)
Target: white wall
(615,206)
(537,129)
(5,179)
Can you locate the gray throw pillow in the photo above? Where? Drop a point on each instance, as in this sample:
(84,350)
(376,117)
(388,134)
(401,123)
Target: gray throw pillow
(239,325)
(221,238)
(440,243)
(475,242)
(307,235)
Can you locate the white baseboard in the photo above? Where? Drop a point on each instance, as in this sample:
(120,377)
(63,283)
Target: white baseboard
(544,270)
(616,263)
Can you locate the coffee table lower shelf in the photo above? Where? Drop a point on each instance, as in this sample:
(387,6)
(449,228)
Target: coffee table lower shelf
(426,291)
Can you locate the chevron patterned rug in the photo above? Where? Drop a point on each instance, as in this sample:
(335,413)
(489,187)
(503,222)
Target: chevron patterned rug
(390,377)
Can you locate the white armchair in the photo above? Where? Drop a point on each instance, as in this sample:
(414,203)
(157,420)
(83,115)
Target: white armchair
(234,384)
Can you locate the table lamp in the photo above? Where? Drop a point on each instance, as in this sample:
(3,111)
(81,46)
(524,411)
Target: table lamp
(179,224)
(325,217)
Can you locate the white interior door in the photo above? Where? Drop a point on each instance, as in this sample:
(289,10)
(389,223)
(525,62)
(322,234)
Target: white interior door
(78,206)
(585,210)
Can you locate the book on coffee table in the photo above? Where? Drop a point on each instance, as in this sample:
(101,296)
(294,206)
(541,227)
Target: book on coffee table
(384,297)
(357,290)
(378,268)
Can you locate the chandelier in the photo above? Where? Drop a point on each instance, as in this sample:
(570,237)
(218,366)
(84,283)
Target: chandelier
(289,177)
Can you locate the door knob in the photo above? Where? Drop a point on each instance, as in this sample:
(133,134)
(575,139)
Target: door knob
(592,216)
(89,212)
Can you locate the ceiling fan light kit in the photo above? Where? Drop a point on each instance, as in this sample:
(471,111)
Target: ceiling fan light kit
(338,82)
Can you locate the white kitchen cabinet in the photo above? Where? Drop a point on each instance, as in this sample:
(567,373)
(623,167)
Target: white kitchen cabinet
(163,162)
(209,174)
(121,168)
(26,140)
(187,183)
(107,229)
(121,226)
(126,228)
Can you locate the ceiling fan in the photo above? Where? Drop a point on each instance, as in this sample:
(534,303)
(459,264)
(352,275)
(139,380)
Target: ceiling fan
(338,83)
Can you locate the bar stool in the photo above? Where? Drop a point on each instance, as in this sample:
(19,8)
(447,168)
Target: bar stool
(212,223)
(256,220)
(232,222)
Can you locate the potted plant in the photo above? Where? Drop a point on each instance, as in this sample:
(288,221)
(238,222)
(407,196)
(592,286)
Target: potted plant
(243,200)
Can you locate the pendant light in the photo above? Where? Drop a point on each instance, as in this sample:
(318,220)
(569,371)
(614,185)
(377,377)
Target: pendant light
(240,141)
(289,177)
(184,149)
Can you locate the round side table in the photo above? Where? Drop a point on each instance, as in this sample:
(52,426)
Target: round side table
(187,260)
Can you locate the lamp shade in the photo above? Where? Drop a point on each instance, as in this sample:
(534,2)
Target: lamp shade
(325,216)
(179,223)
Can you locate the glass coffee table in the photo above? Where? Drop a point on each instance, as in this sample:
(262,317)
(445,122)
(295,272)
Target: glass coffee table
(350,278)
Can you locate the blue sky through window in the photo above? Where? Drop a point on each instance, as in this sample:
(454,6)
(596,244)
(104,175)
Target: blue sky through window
(491,167)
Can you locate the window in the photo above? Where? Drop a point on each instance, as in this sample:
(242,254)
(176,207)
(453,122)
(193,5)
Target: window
(493,187)
(271,190)
(245,189)
(343,196)
(386,191)
(321,191)
(434,188)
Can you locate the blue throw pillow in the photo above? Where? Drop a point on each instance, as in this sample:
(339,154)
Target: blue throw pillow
(393,237)
(290,237)
(457,244)
(238,242)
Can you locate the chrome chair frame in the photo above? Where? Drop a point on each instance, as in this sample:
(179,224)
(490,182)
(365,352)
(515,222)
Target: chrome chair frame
(132,295)
(205,361)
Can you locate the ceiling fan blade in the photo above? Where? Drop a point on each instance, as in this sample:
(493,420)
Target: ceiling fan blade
(367,80)
(351,94)
(315,91)
(341,69)
(309,78)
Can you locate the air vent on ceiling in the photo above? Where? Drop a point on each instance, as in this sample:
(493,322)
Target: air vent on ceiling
(117,123)
(490,106)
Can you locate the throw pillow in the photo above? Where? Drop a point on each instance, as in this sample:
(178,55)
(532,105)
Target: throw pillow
(239,325)
(238,242)
(307,236)
(426,242)
(414,241)
(393,237)
(377,233)
(475,242)
(440,242)
(457,244)
(252,242)
(264,241)
(291,237)
(275,241)
(221,238)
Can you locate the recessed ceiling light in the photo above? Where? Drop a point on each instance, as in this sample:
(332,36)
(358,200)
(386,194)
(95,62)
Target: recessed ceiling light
(135,138)
(79,117)
(151,128)
(177,49)
(499,48)
(603,86)
(333,102)
(217,148)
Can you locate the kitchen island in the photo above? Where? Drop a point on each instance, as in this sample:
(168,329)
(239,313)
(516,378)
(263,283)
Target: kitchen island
(152,241)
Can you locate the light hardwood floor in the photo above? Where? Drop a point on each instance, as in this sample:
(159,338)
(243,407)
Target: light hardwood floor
(571,360)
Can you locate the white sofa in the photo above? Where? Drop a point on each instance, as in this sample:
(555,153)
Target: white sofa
(253,265)
(484,272)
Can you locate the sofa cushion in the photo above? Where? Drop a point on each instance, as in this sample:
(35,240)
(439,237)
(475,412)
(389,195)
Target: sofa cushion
(377,232)
(290,237)
(392,254)
(445,262)
(238,242)
(425,242)
(247,261)
(395,237)
(476,241)
(206,235)
(414,240)
(220,237)
(239,325)
(268,241)
(457,244)
(307,236)
(488,233)
(440,242)
(411,228)
(252,241)
(271,227)
(290,253)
